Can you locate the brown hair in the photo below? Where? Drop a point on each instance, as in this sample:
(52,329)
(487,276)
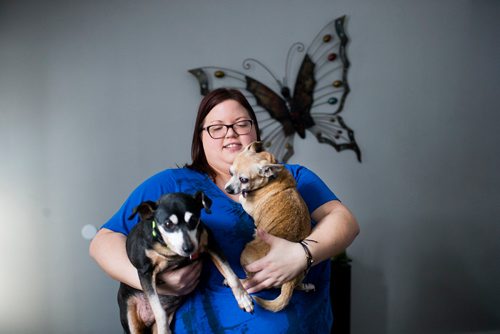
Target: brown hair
(210,100)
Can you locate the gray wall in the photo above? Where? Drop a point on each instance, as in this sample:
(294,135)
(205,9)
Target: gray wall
(95,97)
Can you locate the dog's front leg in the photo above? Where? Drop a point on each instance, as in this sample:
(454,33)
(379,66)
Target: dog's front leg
(148,283)
(244,300)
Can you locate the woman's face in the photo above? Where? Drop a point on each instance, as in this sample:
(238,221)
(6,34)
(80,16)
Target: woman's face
(220,153)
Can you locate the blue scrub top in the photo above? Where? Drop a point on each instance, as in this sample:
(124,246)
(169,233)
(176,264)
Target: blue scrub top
(211,308)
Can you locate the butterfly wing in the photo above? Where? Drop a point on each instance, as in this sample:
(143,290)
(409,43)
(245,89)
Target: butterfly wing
(276,127)
(322,86)
(302,100)
(277,137)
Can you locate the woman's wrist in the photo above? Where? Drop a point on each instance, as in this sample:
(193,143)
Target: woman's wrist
(305,243)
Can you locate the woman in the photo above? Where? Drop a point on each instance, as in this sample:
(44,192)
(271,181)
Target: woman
(224,125)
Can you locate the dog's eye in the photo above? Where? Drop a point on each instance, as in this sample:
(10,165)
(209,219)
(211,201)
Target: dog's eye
(243,180)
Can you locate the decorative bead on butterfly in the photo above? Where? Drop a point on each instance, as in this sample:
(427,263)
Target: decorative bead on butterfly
(318,98)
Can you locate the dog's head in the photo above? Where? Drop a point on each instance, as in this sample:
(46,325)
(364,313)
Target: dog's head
(252,169)
(175,219)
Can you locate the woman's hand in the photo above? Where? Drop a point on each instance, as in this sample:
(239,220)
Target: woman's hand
(284,261)
(108,249)
(335,231)
(180,281)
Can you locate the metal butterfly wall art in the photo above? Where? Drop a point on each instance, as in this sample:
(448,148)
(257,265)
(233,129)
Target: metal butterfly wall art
(318,98)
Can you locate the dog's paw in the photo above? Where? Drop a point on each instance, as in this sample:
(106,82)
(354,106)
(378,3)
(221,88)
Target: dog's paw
(306,287)
(245,301)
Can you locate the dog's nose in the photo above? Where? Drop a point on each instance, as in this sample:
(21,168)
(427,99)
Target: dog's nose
(188,247)
(230,190)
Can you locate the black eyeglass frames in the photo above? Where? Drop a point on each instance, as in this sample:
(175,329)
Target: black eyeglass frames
(218,131)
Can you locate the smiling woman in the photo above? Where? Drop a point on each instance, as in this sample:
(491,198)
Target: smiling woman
(220,152)
(221,100)
(225,124)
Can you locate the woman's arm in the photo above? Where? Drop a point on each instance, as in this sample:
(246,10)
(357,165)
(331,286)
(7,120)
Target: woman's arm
(108,250)
(335,231)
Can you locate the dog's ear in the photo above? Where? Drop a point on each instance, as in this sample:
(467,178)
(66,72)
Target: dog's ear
(146,210)
(204,200)
(270,170)
(255,147)
(269,157)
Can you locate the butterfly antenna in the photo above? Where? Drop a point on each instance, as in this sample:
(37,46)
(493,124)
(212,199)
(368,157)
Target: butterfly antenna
(247,64)
(297,47)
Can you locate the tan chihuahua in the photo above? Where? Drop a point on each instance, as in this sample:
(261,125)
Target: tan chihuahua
(268,193)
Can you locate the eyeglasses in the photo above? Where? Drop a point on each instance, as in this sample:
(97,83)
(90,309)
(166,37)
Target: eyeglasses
(218,131)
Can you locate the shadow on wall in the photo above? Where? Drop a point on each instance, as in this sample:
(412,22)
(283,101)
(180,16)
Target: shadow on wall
(453,296)
(369,304)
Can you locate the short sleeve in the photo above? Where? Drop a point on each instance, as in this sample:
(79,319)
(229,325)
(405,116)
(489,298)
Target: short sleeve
(310,186)
(149,190)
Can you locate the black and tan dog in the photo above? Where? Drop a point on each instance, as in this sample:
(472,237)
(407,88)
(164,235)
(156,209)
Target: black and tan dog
(268,193)
(169,235)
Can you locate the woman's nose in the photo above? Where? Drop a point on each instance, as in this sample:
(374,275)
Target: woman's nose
(231,133)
